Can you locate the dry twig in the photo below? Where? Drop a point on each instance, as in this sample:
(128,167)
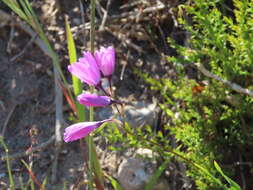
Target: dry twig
(234,86)
(101,28)
(125,40)
(30,151)
(24,49)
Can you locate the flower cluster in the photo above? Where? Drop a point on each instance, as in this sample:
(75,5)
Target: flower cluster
(89,69)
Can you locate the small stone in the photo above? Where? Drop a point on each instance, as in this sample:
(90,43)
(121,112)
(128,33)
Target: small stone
(110,162)
(137,115)
(145,152)
(133,174)
(77,21)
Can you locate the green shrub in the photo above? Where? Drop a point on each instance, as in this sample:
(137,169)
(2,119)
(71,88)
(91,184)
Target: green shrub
(209,120)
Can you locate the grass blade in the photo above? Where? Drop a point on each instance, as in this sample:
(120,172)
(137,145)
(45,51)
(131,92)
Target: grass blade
(233,184)
(33,177)
(77,85)
(16,8)
(153,181)
(115,184)
(11,181)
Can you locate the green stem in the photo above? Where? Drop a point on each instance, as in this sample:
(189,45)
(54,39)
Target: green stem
(92,26)
(11,181)
(91,110)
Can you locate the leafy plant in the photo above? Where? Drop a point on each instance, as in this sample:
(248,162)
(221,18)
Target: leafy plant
(209,120)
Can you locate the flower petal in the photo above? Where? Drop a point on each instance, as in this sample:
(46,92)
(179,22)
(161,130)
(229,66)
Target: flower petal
(105,58)
(80,130)
(86,69)
(94,100)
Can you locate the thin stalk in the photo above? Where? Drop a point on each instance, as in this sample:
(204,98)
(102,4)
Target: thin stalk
(11,181)
(92,28)
(89,139)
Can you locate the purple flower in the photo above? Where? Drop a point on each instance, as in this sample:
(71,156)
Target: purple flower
(105,58)
(94,100)
(86,69)
(80,130)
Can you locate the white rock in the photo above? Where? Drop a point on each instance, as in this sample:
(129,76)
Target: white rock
(132,174)
(138,114)
(135,173)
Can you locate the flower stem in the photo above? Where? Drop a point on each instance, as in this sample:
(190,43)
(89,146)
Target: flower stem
(92,26)
(93,164)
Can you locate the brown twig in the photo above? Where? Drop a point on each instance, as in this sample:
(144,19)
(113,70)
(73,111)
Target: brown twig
(125,40)
(101,28)
(114,18)
(34,178)
(133,14)
(234,86)
(124,66)
(30,151)
(24,49)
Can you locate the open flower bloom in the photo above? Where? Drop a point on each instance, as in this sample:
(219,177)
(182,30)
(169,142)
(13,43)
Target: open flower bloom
(105,58)
(94,100)
(80,130)
(86,69)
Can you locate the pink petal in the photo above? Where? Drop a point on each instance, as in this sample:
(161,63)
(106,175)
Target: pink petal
(80,130)
(105,58)
(94,100)
(86,69)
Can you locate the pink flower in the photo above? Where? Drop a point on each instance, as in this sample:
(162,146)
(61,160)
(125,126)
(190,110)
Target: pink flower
(105,58)
(94,100)
(86,69)
(80,130)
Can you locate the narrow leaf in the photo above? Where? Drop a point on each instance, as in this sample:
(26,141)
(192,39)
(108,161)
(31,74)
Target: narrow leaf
(115,184)
(77,85)
(153,181)
(233,184)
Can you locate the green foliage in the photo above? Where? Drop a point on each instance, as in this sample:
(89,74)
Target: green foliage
(115,183)
(208,119)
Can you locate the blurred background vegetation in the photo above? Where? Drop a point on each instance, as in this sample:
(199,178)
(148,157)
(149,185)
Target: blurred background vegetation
(193,58)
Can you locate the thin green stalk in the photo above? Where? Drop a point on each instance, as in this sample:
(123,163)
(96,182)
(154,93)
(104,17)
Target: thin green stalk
(92,26)
(94,165)
(90,173)
(11,181)
(89,139)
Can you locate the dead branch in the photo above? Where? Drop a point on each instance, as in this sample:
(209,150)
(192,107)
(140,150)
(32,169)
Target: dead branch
(24,49)
(101,28)
(30,151)
(133,14)
(125,40)
(234,86)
